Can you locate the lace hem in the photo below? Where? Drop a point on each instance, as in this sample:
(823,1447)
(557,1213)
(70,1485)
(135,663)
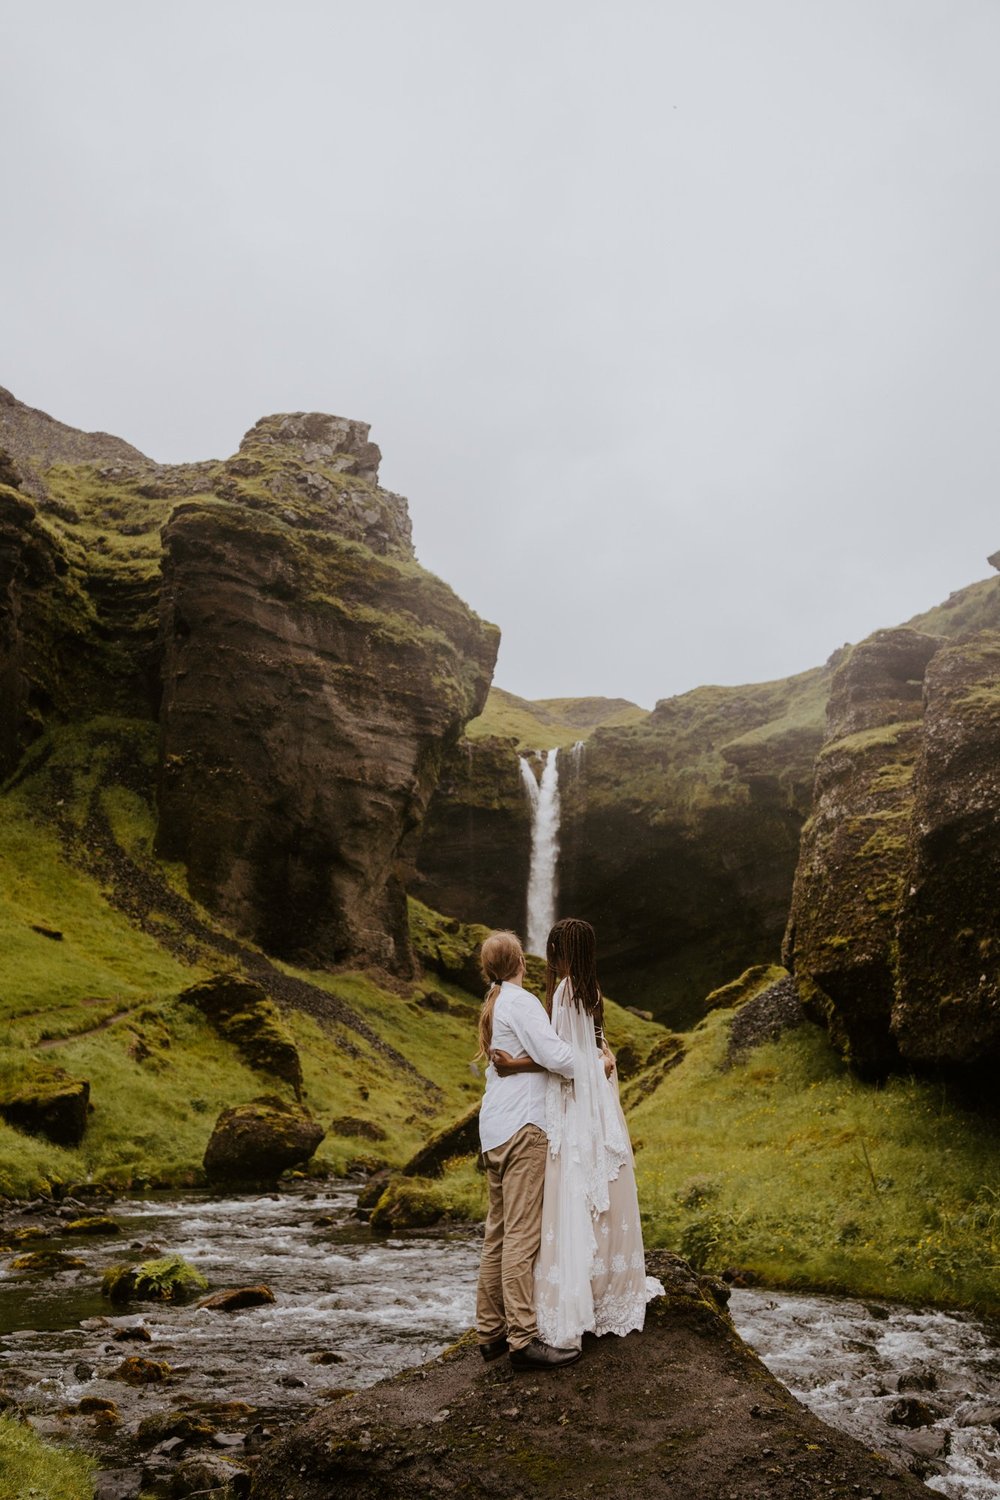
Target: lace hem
(625,1313)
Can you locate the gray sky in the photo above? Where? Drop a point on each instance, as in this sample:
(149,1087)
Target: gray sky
(676,320)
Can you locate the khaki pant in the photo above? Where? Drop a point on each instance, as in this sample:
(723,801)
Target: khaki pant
(505,1297)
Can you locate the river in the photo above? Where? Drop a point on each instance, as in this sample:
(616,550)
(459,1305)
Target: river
(351,1308)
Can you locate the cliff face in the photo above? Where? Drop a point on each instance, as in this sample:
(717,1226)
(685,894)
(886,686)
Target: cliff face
(894,932)
(308,675)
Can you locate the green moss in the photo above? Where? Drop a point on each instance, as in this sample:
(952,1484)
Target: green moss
(168,1279)
(750,983)
(791,1141)
(30,1467)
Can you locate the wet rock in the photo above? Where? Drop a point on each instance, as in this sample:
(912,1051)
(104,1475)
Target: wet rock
(47,1260)
(978,1414)
(235,1298)
(241,1011)
(92,1224)
(912,1412)
(138,1334)
(118,1484)
(919,1378)
(47,1102)
(256,1142)
(83,1371)
(406,1204)
(928,1444)
(188,1427)
(325,1357)
(210,1478)
(372,1191)
(460,1138)
(138,1371)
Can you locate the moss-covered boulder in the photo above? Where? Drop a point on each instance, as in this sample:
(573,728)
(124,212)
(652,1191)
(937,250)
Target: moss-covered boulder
(241,1011)
(139,1371)
(461,1138)
(47,1101)
(256,1142)
(407,1203)
(169,1278)
(450,948)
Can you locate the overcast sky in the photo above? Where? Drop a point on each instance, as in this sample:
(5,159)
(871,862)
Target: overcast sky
(676,320)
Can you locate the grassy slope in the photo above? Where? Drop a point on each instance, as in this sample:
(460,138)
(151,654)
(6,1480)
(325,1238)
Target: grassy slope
(787,1165)
(30,1468)
(549,722)
(107,973)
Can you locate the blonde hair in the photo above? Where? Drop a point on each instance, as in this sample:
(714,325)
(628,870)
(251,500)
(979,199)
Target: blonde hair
(501,957)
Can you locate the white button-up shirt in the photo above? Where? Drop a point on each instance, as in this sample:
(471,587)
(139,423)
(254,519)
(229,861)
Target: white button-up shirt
(520,1027)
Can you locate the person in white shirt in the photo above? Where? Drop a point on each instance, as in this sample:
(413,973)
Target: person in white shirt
(514,1147)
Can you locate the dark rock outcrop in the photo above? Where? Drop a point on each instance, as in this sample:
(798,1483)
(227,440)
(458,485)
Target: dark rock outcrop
(842,927)
(475,845)
(308,675)
(461,1138)
(50,1103)
(258,1141)
(242,1013)
(310,689)
(635,1416)
(680,837)
(947,1007)
(894,930)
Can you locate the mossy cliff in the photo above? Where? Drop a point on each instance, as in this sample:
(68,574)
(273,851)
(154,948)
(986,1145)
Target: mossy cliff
(894,933)
(307,675)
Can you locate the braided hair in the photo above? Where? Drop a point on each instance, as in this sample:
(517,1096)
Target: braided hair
(571,953)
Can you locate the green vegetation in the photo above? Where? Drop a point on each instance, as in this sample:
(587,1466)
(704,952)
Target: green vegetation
(546,723)
(789,1166)
(976,607)
(33,1470)
(169,1279)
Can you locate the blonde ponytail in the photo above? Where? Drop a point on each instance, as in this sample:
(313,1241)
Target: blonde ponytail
(501,957)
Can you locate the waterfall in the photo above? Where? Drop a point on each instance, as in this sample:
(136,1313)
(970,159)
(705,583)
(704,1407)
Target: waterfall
(544,798)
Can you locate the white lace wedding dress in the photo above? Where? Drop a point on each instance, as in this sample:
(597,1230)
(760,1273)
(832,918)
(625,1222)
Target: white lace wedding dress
(590,1275)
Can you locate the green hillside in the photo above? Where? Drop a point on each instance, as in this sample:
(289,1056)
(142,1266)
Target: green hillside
(548,723)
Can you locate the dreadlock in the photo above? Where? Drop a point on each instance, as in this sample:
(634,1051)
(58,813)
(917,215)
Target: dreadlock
(571,953)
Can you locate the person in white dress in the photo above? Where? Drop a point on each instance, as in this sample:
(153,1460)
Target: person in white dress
(590,1274)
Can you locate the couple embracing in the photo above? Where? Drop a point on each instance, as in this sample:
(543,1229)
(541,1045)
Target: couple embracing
(562,1254)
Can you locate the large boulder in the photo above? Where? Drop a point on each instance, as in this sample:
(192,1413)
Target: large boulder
(636,1416)
(460,1138)
(258,1141)
(48,1102)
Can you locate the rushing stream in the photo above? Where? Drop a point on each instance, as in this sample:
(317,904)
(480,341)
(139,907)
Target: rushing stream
(351,1308)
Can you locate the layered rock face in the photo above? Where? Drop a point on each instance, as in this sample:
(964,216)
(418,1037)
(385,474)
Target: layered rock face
(308,675)
(475,848)
(894,930)
(680,836)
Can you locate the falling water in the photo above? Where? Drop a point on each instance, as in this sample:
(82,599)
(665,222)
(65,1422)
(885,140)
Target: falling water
(544,798)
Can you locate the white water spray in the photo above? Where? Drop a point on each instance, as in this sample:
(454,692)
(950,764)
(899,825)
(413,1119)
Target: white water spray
(544,798)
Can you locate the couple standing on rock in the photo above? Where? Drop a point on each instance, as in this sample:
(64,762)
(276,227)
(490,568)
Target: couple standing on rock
(562,1254)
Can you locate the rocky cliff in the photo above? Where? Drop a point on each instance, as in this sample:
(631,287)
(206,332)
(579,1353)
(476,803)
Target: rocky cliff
(894,933)
(308,675)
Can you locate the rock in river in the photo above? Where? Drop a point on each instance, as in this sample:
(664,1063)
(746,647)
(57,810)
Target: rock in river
(679,1410)
(255,1142)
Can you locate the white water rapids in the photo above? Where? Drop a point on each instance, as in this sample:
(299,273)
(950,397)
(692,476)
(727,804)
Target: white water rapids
(350,1308)
(543,795)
